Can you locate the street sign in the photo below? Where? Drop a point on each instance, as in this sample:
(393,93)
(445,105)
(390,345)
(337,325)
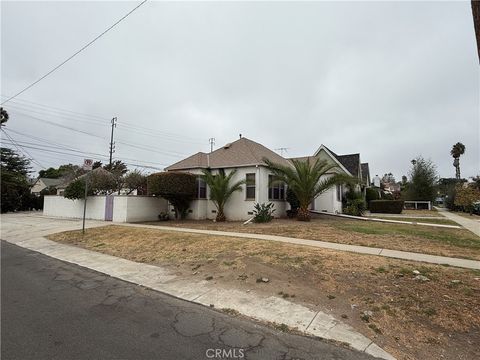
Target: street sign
(87,164)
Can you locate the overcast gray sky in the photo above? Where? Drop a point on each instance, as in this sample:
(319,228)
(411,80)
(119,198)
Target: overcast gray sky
(388,80)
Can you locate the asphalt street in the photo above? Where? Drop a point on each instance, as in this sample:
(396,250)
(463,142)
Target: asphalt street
(55,310)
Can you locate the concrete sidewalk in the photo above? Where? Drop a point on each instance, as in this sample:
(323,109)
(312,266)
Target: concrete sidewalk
(28,231)
(467,223)
(404,255)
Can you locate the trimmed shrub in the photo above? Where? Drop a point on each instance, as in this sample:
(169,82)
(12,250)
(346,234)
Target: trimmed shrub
(353,203)
(386,206)
(263,212)
(176,187)
(371,194)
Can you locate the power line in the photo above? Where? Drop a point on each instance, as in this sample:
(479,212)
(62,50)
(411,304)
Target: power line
(22,151)
(76,53)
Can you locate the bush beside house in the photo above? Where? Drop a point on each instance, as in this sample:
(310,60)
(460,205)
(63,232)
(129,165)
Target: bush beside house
(176,187)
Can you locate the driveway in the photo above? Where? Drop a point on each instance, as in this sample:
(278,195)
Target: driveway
(57,310)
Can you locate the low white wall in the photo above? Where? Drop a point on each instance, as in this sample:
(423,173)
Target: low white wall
(125,208)
(54,205)
(140,208)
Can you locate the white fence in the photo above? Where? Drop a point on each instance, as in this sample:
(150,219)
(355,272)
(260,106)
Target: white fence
(125,208)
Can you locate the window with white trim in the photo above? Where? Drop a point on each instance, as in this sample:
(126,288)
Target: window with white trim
(201,189)
(276,189)
(250,186)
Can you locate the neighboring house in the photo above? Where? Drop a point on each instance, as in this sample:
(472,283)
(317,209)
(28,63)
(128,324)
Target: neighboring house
(44,183)
(98,171)
(246,156)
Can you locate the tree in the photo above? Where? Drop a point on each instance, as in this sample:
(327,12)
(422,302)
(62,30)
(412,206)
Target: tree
(135,180)
(3,116)
(50,173)
(457,150)
(221,189)
(76,190)
(96,164)
(14,170)
(100,182)
(176,187)
(466,196)
(423,179)
(118,169)
(304,178)
(388,178)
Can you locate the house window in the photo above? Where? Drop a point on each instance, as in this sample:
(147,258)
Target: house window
(339,192)
(250,186)
(276,189)
(201,189)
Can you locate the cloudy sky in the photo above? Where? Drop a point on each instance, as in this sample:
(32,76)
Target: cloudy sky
(388,80)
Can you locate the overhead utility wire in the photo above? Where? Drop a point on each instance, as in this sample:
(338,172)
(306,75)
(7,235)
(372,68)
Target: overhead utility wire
(23,151)
(76,53)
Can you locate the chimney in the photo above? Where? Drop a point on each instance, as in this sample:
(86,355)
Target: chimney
(240,136)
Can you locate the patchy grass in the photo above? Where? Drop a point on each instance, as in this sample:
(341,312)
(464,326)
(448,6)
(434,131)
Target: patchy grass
(418,220)
(430,240)
(442,318)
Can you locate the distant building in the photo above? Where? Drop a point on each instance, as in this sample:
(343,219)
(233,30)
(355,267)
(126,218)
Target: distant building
(44,183)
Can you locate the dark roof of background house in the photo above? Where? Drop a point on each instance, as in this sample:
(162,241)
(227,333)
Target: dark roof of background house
(365,173)
(243,152)
(51,182)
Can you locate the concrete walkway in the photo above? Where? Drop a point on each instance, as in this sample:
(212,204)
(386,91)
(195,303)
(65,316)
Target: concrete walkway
(28,231)
(404,255)
(469,224)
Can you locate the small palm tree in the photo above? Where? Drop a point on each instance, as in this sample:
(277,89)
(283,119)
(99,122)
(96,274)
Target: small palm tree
(303,178)
(3,116)
(457,150)
(221,190)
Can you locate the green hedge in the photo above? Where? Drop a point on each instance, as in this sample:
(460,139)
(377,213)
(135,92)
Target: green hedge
(386,206)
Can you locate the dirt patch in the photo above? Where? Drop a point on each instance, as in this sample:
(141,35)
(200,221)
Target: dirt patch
(429,240)
(411,318)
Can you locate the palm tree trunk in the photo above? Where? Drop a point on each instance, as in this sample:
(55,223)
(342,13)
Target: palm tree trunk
(220,215)
(303,214)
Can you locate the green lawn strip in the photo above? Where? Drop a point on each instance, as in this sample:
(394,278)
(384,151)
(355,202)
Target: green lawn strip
(455,237)
(418,220)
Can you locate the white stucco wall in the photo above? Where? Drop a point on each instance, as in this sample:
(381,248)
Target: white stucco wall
(62,207)
(125,208)
(138,208)
(327,201)
(237,207)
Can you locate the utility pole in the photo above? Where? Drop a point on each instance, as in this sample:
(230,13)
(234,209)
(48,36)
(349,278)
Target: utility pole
(212,142)
(112,143)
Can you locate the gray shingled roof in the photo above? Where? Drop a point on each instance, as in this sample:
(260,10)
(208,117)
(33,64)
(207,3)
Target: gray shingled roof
(51,182)
(243,152)
(365,173)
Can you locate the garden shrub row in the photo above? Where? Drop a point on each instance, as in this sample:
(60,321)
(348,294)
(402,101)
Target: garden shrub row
(386,206)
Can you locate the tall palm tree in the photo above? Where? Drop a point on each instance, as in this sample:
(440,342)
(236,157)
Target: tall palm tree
(221,189)
(304,179)
(457,150)
(3,116)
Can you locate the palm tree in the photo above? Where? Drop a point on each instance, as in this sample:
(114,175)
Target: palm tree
(304,179)
(3,116)
(457,150)
(221,190)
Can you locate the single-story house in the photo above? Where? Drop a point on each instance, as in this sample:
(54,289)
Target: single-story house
(246,156)
(44,183)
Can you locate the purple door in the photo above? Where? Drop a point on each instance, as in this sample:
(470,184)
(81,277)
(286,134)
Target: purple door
(109,207)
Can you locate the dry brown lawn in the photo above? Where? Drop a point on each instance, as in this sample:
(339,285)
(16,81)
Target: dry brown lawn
(415,238)
(411,319)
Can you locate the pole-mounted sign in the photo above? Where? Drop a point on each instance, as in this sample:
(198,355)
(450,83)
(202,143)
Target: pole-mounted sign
(87,166)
